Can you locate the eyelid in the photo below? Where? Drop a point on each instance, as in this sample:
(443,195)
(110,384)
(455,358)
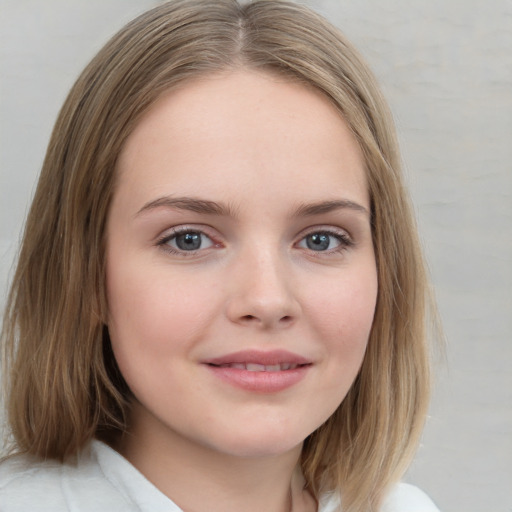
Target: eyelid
(326,228)
(344,237)
(175,231)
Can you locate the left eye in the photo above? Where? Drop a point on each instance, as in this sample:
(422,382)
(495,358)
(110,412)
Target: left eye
(188,241)
(321,241)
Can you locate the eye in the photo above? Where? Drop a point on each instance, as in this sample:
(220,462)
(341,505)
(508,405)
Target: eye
(186,241)
(325,241)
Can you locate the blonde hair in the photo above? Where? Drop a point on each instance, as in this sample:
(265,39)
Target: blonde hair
(64,387)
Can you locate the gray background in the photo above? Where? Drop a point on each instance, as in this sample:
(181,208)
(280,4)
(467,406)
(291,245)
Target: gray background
(446,68)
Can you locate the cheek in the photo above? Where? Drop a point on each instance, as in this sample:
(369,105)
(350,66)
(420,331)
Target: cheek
(342,313)
(154,324)
(151,314)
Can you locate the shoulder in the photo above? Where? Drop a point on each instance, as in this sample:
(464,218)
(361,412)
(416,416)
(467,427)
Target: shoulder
(402,498)
(27,484)
(23,483)
(408,498)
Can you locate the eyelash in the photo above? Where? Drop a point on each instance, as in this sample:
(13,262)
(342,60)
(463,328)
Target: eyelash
(163,242)
(344,240)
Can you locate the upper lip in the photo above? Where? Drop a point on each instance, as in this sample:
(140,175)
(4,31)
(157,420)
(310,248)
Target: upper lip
(267,358)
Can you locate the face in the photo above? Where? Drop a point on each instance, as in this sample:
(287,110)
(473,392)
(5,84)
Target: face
(240,268)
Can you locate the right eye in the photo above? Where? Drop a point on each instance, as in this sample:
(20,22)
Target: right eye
(186,241)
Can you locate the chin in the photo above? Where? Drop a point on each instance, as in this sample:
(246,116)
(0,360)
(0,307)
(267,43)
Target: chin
(267,442)
(262,449)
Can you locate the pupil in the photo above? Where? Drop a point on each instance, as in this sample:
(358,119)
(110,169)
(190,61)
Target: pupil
(318,242)
(188,241)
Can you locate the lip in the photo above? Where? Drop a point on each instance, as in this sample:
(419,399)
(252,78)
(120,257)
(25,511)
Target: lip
(250,373)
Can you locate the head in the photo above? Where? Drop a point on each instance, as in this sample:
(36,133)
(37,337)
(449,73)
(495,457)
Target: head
(65,386)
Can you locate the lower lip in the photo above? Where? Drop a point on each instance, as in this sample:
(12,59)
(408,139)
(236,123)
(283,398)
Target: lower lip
(260,382)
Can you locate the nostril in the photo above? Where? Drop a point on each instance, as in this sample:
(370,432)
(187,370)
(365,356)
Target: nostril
(270,317)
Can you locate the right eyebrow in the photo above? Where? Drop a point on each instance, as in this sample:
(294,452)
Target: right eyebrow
(191,204)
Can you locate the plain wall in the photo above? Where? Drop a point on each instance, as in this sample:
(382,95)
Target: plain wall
(446,68)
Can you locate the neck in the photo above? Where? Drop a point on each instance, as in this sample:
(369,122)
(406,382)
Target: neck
(198,477)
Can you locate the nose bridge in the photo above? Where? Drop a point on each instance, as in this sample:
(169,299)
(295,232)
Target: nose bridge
(263,291)
(268,272)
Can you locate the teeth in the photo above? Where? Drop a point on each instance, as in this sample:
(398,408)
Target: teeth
(252,367)
(255,367)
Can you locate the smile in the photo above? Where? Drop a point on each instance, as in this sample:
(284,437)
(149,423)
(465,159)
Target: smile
(260,371)
(255,367)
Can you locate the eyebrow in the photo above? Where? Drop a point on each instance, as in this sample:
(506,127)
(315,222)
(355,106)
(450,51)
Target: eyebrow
(190,204)
(306,210)
(204,206)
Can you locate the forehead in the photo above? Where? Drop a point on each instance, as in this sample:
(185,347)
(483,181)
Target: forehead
(243,129)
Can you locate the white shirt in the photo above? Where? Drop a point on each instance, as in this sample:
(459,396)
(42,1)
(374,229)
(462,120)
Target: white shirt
(103,480)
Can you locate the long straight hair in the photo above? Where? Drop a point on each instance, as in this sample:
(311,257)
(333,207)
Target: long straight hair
(63,385)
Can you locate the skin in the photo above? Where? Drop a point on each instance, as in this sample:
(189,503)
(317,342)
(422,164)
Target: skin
(265,150)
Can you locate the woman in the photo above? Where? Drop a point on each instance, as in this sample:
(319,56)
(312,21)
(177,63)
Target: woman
(220,298)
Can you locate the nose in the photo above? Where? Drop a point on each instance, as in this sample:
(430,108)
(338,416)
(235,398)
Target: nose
(262,292)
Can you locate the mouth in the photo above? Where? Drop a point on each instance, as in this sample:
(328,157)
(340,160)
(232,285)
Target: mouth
(260,361)
(257,367)
(260,371)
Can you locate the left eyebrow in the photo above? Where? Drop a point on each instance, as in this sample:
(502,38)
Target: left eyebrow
(306,210)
